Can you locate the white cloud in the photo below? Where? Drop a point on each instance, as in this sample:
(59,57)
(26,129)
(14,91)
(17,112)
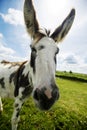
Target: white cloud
(70,61)
(86,60)
(7,53)
(11,57)
(1,35)
(13,16)
(3,49)
(6,50)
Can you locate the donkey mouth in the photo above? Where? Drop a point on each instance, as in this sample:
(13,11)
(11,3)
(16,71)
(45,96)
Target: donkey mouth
(45,105)
(43,102)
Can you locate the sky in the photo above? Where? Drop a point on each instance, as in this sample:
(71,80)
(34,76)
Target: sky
(15,42)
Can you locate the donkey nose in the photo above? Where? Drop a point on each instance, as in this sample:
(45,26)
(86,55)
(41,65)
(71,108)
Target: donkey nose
(36,94)
(45,97)
(55,93)
(43,92)
(46,92)
(51,93)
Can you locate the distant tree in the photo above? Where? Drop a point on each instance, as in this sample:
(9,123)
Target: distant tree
(64,71)
(70,72)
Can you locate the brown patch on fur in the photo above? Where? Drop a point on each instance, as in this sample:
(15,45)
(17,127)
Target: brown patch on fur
(5,62)
(13,64)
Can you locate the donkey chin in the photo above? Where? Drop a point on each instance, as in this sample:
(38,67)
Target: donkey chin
(45,99)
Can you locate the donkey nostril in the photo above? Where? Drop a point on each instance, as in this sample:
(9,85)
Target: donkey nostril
(55,93)
(36,94)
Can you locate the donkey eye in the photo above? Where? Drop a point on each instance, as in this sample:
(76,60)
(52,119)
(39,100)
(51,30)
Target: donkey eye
(41,47)
(56,54)
(33,57)
(57,51)
(33,49)
(55,59)
(33,53)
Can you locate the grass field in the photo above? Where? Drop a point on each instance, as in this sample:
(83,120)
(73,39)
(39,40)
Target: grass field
(72,76)
(69,113)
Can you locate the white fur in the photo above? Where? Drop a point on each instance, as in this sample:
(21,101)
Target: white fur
(16,119)
(45,65)
(9,88)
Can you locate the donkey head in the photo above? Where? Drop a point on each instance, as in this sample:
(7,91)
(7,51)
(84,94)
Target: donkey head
(43,56)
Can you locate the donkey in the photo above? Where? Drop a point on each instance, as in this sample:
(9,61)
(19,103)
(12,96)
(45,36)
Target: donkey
(19,79)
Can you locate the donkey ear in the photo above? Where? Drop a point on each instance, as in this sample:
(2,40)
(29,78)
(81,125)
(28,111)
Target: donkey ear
(30,19)
(64,28)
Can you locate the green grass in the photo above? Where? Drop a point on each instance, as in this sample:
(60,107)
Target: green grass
(69,113)
(72,76)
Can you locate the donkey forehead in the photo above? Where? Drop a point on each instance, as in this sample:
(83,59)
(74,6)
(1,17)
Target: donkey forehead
(45,42)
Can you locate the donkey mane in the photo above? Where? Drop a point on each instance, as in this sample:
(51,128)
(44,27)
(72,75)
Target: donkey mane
(45,32)
(11,64)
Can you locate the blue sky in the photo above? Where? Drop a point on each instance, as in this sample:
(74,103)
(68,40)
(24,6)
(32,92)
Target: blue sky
(14,40)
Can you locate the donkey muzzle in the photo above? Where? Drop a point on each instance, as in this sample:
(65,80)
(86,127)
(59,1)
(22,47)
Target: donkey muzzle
(45,98)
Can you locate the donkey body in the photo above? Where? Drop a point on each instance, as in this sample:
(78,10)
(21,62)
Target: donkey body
(19,79)
(15,82)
